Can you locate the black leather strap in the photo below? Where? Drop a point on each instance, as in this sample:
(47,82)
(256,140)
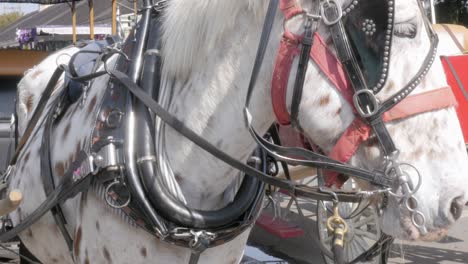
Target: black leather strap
(307,42)
(263,44)
(351,66)
(66,189)
(33,122)
(316,160)
(47,172)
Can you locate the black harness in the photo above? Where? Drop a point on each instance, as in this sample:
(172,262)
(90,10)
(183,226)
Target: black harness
(135,175)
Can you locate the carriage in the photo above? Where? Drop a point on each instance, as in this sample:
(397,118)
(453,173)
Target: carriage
(325,210)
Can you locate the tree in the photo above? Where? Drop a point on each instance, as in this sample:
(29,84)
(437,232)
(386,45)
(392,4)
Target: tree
(9,18)
(452,12)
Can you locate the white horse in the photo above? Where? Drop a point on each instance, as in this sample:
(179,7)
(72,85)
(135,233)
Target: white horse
(209,49)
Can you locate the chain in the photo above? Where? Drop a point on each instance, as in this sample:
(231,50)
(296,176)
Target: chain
(407,189)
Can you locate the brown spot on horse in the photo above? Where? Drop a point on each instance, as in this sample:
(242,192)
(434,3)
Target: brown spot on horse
(60,169)
(338,112)
(106,254)
(77,242)
(35,74)
(29,233)
(29,103)
(325,100)
(92,104)
(87,257)
(178,177)
(66,131)
(144,252)
(26,158)
(417,154)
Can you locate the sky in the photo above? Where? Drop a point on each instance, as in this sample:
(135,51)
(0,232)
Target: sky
(25,8)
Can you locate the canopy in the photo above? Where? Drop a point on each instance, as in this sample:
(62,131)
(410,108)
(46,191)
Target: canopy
(42,2)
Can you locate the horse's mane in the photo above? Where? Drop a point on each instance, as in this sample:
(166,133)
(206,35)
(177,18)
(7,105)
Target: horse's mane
(191,29)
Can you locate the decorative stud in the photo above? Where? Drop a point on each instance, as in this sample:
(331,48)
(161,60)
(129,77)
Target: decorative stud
(350,7)
(369,27)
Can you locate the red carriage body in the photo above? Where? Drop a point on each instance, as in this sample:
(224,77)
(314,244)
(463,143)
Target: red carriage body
(456,68)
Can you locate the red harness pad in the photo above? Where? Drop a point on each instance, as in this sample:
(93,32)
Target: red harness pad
(460,65)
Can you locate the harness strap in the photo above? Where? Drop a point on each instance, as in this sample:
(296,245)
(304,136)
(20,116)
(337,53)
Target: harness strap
(69,186)
(37,113)
(76,179)
(47,173)
(359,132)
(322,56)
(310,28)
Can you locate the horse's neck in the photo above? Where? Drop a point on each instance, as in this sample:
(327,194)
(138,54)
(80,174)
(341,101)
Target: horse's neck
(207,90)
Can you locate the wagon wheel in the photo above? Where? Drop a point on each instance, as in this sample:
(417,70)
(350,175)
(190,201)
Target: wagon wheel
(363,229)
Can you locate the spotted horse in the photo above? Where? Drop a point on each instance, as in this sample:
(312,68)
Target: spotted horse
(115,173)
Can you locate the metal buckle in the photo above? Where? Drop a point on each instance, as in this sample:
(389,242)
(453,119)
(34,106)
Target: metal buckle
(195,237)
(370,110)
(324,6)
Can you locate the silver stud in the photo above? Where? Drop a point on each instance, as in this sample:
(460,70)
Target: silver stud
(369,27)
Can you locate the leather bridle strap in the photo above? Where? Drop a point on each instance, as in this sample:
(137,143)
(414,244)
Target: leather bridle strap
(311,25)
(308,158)
(364,100)
(359,132)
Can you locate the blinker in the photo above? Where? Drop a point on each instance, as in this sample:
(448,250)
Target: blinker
(369,26)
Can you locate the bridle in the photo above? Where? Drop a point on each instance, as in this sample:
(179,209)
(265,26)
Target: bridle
(172,221)
(345,73)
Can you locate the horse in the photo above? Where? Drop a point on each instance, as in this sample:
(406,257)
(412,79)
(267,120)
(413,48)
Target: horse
(207,51)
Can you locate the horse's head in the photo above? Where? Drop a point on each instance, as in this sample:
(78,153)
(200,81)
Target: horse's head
(430,141)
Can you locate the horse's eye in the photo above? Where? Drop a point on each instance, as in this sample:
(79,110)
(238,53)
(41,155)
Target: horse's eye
(405,30)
